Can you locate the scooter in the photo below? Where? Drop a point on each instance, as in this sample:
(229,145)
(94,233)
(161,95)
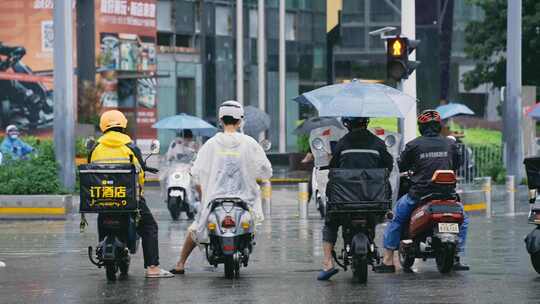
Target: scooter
(180,194)
(532,240)
(322,142)
(231,231)
(358,199)
(112,191)
(434,225)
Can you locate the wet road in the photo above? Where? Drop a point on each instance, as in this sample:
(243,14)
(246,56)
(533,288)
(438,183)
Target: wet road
(47,263)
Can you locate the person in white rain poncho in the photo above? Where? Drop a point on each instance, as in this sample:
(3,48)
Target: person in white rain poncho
(227,165)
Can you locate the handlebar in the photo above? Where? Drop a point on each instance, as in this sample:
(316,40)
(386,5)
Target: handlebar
(152,170)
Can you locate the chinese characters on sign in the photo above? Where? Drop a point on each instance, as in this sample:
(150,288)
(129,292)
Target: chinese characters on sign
(121,7)
(108,195)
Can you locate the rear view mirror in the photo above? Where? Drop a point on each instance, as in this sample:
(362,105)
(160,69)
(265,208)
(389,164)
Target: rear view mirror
(266,144)
(154,147)
(89,143)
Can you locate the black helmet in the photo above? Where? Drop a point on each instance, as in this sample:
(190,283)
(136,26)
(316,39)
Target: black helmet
(355,122)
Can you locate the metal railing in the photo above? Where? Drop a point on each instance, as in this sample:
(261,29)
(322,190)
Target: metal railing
(478,161)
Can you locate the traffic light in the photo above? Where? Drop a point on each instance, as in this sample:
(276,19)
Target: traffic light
(398,65)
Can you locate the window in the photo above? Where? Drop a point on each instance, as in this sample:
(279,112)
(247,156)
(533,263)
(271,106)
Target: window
(224,21)
(290,27)
(185,96)
(164,39)
(183,40)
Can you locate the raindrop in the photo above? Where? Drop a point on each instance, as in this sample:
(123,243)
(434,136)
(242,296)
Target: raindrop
(2,264)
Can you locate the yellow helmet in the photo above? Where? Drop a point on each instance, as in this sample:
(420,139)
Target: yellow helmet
(112,119)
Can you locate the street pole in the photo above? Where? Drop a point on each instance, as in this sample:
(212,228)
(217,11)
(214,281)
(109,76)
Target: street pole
(240,51)
(261,59)
(408,29)
(64,106)
(282,110)
(513,133)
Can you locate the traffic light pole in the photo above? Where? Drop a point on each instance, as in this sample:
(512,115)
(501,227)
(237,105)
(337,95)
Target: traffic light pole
(64,102)
(408,29)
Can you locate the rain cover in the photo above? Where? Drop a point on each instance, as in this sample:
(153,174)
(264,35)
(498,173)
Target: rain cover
(532,166)
(228,166)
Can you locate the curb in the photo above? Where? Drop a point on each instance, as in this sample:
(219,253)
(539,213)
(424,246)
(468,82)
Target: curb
(21,207)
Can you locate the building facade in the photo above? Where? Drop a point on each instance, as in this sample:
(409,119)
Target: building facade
(196,46)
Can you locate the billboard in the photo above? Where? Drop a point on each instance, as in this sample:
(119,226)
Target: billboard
(126,61)
(26,63)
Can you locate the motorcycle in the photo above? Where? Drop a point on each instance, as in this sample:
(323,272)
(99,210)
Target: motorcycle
(532,240)
(231,231)
(180,194)
(434,225)
(359,200)
(24,103)
(112,191)
(322,142)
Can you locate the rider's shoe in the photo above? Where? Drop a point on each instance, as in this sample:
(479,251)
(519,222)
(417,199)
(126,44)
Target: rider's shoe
(383,268)
(458,266)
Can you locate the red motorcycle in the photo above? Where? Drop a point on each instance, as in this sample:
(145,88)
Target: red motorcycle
(434,225)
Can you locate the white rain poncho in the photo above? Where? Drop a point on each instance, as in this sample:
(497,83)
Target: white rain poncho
(228,165)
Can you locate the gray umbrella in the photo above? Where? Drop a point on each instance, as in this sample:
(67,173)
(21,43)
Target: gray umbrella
(315,123)
(358,99)
(255,121)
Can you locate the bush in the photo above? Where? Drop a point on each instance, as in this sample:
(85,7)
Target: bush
(303,143)
(38,175)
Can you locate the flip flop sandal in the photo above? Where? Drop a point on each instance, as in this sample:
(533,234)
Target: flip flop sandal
(162,274)
(325,275)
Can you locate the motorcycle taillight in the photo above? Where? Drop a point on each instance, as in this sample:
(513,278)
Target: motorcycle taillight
(447,217)
(228,222)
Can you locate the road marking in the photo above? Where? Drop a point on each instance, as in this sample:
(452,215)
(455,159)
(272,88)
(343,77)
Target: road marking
(475,207)
(33,210)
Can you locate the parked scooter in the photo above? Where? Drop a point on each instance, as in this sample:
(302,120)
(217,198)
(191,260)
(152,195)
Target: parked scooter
(434,225)
(180,194)
(323,140)
(358,199)
(230,228)
(112,191)
(532,241)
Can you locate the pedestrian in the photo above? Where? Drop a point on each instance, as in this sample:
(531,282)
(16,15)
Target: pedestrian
(13,147)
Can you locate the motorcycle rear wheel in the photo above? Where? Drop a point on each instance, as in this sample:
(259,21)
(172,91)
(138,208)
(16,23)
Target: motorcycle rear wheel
(320,206)
(124,265)
(535,260)
(173,207)
(444,257)
(360,268)
(406,261)
(190,215)
(229,267)
(110,271)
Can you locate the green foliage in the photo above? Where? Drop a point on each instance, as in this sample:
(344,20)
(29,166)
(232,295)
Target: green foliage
(497,173)
(486,44)
(389,124)
(38,175)
(477,136)
(302,143)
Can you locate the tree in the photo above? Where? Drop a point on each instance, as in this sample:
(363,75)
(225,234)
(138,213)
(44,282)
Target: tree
(486,44)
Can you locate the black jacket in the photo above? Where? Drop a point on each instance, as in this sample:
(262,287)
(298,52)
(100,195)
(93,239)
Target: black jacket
(375,154)
(425,155)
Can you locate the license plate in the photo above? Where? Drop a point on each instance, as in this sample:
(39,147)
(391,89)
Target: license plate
(448,227)
(177,193)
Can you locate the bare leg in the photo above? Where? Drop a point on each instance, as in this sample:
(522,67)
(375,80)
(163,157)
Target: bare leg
(328,263)
(188,247)
(388,257)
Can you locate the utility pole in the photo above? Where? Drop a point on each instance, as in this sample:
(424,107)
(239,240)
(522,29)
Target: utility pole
(240,51)
(64,106)
(513,133)
(408,29)
(282,73)
(261,58)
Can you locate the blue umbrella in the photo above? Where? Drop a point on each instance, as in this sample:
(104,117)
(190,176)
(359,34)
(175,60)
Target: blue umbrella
(183,122)
(453,109)
(358,99)
(256,121)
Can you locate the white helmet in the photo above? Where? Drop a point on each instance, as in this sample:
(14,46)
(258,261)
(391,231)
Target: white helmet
(12,128)
(231,108)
